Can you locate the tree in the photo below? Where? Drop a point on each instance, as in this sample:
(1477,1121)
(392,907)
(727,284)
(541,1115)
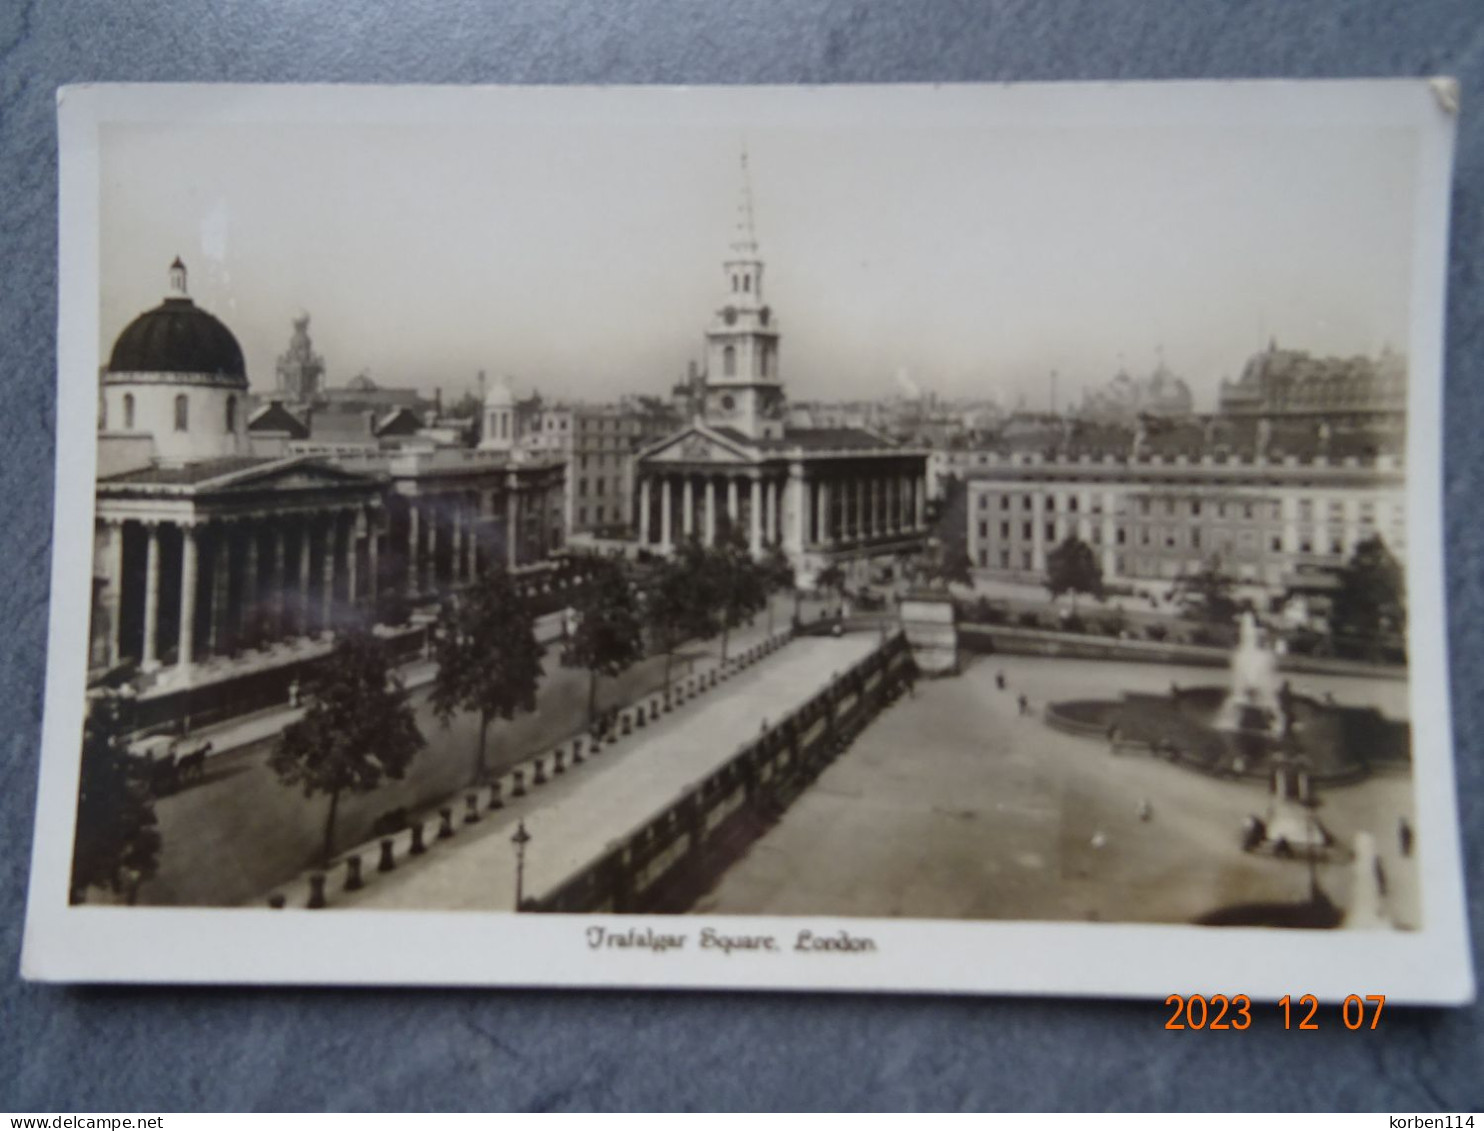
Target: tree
(1207,594)
(947,563)
(609,637)
(1073,568)
(116,845)
(1370,605)
(832,579)
(357,731)
(489,660)
(680,607)
(739,587)
(778,576)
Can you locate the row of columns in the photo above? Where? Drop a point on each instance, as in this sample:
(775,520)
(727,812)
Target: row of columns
(797,511)
(459,517)
(326,548)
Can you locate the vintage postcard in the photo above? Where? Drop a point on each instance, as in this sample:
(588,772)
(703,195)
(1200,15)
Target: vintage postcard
(967,539)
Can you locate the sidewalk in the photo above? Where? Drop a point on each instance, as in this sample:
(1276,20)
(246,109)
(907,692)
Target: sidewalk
(575,817)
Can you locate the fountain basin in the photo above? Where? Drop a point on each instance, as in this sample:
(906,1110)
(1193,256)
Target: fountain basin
(1196,728)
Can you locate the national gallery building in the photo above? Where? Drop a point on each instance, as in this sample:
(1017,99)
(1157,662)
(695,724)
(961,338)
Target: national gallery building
(219,552)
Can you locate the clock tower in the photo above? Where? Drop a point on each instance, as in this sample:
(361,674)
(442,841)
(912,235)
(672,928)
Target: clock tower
(743,390)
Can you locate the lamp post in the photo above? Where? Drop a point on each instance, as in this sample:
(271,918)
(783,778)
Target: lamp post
(520,840)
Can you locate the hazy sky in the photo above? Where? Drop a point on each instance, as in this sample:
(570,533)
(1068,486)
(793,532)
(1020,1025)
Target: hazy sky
(582,256)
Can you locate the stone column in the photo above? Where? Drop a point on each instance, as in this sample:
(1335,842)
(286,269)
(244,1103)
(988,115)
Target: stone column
(858,494)
(456,559)
(151,659)
(331,530)
(822,512)
(710,489)
(512,522)
(413,578)
(734,510)
(373,557)
(919,498)
(190,551)
(354,527)
(770,517)
(434,521)
(793,537)
(280,598)
(644,511)
(251,586)
(221,588)
(665,513)
(687,508)
(304,549)
(755,519)
(113,593)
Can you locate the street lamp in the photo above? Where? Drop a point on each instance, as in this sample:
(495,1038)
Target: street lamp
(520,840)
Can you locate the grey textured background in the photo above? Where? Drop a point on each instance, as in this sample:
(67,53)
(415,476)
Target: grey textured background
(165,1049)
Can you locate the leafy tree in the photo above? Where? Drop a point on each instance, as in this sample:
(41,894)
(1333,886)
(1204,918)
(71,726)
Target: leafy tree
(1072,567)
(832,579)
(1370,605)
(116,845)
(609,637)
(489,660)
(680,607)
(1206,594)
(778,576)
(740,587)
(947,563)
(357,730)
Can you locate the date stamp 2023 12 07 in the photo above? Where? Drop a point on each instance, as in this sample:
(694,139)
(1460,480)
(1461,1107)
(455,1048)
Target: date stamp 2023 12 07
(1220,1011)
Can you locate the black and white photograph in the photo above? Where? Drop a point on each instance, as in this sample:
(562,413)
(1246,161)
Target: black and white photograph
(967,538)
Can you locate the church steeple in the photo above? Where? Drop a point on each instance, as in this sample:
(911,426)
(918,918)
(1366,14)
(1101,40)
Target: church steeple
(743,390)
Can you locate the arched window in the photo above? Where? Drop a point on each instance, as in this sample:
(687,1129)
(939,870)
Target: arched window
(128,412)
(182,413)
(231,414)
(729,362)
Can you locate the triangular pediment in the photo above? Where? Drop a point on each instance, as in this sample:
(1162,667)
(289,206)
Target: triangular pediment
(698,444)
(298,473)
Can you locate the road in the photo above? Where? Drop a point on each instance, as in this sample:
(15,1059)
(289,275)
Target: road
(239,832)
(952,805)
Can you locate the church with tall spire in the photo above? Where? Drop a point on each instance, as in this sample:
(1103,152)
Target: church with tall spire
(847,496)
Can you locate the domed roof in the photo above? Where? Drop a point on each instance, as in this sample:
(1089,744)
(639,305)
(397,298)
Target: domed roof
(178,337)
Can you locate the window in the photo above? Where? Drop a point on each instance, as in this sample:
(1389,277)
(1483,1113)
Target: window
(582,462)
(128,412)
(582,486)
(231,415)
(1051,502)
(1247,510)
(747,283)
(1336,546)
(582,516)
(599,517)
(1195,507)
(1051,532)
(1004,502)
(1072,504)
(1195,538)
(1025,559)
(1277,544)
(1026,531)
(1122,536)
(1005,531)
(984,530)
(1026,503)
(729,361)
(1143,536)
(984,502)
(1004,559)
(983,558)
(182,413)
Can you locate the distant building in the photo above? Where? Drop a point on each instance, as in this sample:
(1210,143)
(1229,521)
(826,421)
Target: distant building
(1281,384)
(1125,398)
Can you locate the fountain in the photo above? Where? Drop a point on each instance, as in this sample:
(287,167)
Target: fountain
(1256,726)
(1253,705)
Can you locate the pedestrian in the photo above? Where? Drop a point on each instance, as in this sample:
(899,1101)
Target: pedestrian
(999,680)
(1113,738)
(1025,704)
(1404,835)
(1380,870)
